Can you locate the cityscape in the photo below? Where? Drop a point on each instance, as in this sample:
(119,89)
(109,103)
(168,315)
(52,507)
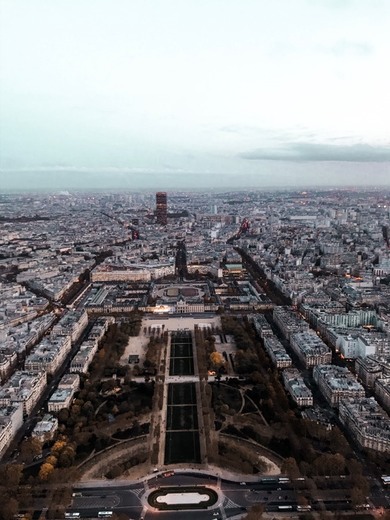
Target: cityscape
(194,260)
(195,355)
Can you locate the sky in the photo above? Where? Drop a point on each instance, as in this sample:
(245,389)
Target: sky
(194,94)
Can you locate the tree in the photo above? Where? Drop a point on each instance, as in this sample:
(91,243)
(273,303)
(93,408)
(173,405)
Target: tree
(45,471)
(75,411)
(120,516)
(358,497)
(337,442)
(217,359)
(256,377)
(30,448)
(354,467)
(302,500)
(256,512)
(66,457)
(63,415)
(57,447)
(329,464)
(51,459)
(87,409)
(11,474)
(9,508)
(290,467)
(360,482)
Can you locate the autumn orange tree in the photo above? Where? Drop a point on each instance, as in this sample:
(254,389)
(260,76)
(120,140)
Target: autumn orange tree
(45,471)
(217,359)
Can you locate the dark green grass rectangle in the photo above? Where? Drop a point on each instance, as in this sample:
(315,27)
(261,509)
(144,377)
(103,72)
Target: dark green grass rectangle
(181,367)
(181,337)
(182,417)
(181,393)
(182,447)
(181,351)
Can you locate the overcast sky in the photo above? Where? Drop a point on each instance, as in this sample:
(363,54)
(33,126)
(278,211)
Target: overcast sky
(194,93)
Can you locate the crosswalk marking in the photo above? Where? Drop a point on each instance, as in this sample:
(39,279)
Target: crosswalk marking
(229,504)
(137,492)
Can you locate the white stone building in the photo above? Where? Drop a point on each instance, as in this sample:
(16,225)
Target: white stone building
(337,383)
(23,388)
(11,419)
(310,349)
(296,387)
(367,422)
(277,352)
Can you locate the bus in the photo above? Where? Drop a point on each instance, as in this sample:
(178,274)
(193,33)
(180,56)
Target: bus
(285,508)
(283,480)
(72,515)
(104,514)
(304,508)
(385,480)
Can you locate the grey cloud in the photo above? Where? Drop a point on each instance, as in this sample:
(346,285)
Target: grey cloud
(277,135)
(321,152)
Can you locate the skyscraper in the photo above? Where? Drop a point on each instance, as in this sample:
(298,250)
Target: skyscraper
(161,208)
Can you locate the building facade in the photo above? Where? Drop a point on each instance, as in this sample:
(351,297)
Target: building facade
(367,422)
(336,383)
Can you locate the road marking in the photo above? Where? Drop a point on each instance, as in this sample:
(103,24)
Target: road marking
(137,492)
(229,504)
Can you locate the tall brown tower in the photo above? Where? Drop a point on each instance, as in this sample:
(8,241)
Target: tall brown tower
(161,208)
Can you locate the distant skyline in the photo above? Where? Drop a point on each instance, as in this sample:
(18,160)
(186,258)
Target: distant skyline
(194,94)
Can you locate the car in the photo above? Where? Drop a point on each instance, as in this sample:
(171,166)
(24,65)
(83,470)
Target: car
(168,474)
(216,513)
(242,483)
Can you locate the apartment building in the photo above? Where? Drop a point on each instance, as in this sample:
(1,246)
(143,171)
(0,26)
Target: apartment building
(48,355)
(296,387)
(277,352)
(368,370)
(72,324)
(263,328)
(45,429)
(24,388)
(382,391)
(11,419)
(8,360)
(367,422)
(337,383)
(310,349)
(61,398)
(288,321)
